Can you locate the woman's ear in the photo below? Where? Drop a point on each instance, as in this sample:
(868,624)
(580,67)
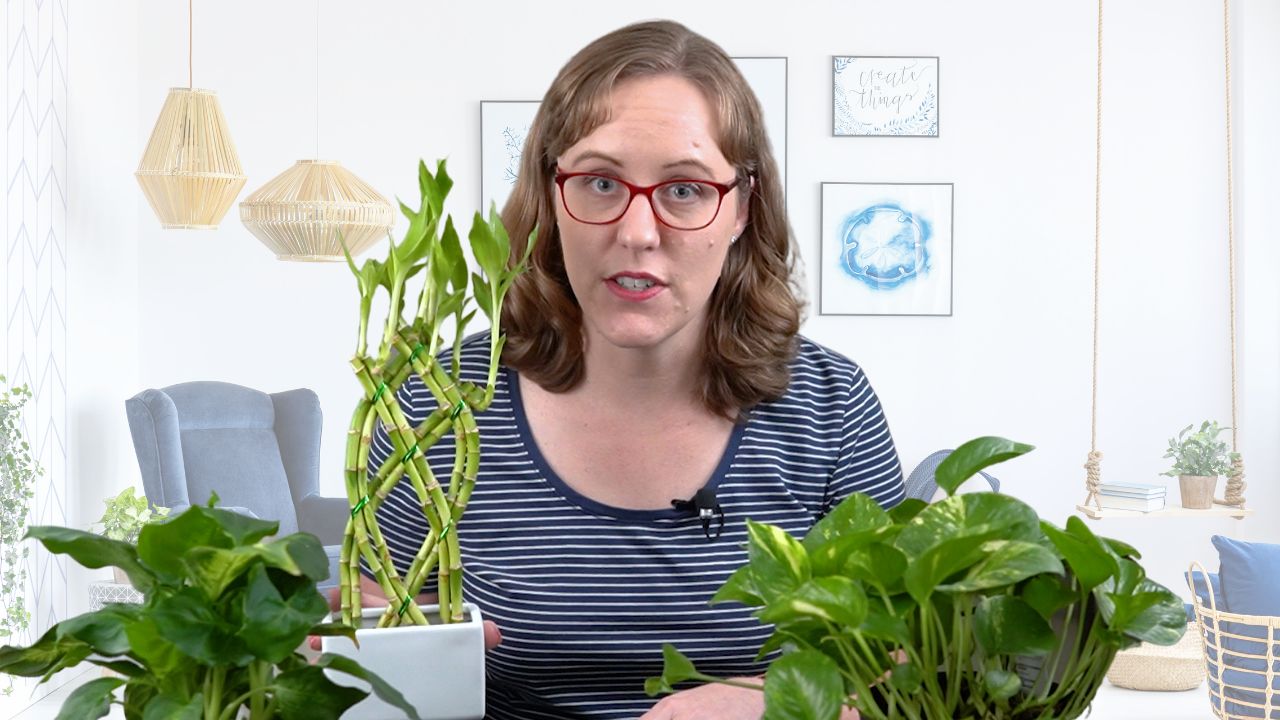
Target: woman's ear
(744,207)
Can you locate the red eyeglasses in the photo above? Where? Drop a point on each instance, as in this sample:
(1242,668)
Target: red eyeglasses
(679,204)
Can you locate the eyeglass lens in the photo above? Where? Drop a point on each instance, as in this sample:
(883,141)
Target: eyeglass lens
(682,204)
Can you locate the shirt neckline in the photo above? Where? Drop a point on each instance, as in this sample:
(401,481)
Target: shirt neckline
(596,507)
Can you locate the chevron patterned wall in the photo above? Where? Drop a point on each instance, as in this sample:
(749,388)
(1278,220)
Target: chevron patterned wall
(36,272)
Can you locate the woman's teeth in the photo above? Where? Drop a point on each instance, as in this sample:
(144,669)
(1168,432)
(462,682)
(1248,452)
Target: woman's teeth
(635,284)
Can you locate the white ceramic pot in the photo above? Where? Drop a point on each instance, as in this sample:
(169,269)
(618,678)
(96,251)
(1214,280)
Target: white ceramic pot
(119,576)
(438,668)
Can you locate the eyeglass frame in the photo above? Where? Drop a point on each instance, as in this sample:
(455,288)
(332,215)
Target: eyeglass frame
(647,192)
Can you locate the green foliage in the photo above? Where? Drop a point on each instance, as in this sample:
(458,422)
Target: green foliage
(216,637)
(976,586)
(18,471)
(1200,453)
(126,514)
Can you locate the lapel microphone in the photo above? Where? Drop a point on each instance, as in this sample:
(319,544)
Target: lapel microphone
(704,503)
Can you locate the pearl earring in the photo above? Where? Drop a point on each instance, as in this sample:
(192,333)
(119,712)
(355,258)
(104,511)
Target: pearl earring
(733,239)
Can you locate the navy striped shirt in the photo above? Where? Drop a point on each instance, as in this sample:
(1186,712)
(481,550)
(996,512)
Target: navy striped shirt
(586,594)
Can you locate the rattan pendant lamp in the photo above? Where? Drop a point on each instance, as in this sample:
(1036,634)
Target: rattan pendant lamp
(190,172)
(308,212)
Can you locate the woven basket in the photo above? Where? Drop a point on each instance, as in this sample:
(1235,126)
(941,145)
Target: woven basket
(1167,668)
(1229,668)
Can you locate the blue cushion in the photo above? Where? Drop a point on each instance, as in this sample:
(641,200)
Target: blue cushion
(1250,577)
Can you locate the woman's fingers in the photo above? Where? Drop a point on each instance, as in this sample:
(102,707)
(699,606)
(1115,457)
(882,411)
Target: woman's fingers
(492,635)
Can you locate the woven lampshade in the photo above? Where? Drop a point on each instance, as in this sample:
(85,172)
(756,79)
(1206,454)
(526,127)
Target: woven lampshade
(300,213)
(190,172)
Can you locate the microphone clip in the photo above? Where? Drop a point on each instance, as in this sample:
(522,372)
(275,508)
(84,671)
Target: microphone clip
(704,502)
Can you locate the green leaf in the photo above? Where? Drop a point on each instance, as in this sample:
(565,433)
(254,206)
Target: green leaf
(485,248)
(1002,684)
(90,700)
(779,563)
(243,529)
(1005,625)
(275,625)
(160,656)
(1010,561)
(187,620)
(335,630)
(968,515)
(306,694)
(857,513)
(975,455)
(104,630)
(297,554)
(163,546)
(940,562)
(213,569)
(906,677)
(1048,595)
(482,297)
(879,564)
(676,668)
(804,685)
(740,587)
(1148,612)
(94,551)
(385,692)
(48,653)
(168,706)
(833,599)
(879,624)
(501,240)
(905,511)
(656,686)
(1090,565)
(1121,548)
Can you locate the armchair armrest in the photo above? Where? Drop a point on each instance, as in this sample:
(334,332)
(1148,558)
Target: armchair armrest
(326,518)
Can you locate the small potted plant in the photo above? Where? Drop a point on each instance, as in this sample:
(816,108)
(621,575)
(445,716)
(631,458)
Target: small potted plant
(216,637)
(408,347)
(1198,460)
(124,518)
(971,607)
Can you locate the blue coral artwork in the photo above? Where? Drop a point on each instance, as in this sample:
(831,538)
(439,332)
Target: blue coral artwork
(878,96)
(886,249)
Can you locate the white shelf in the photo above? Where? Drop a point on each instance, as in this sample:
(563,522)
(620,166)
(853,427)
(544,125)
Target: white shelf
(1171,509)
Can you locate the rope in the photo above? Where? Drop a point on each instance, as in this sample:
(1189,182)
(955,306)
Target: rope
(1094,464)
(1235,483)
(190,25)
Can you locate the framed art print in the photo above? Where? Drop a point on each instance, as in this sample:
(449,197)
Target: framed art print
(876,96)
(886,249)
(505,124)
(503,127)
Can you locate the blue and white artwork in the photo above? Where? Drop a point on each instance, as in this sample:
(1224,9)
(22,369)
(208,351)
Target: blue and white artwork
(886,96)
(886,249)
(505,124)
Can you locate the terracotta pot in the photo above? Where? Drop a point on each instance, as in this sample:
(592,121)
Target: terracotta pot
(1197,491)
(120,577)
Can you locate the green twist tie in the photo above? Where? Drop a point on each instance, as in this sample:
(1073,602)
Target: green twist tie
(378,394)
(359,506)
(409,455)
(404,606)
(445,531)
(458,410)
(416,350)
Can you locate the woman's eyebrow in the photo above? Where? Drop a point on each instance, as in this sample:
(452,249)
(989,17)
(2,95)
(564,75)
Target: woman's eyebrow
(690,163)
(595,155)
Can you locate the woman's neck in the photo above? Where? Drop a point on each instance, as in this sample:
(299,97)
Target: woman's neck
(635,378)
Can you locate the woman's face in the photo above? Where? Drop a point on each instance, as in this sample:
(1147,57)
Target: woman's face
(640,283)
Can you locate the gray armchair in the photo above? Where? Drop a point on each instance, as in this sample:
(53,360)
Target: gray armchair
(259,452)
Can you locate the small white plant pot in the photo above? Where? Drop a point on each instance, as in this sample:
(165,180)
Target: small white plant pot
(1197,491)
(119,576)
(439,668)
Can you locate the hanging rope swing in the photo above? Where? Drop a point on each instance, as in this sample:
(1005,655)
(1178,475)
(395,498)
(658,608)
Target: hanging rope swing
(1093,466)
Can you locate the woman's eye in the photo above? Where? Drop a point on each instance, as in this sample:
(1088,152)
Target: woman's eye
(684,191)
(603,185)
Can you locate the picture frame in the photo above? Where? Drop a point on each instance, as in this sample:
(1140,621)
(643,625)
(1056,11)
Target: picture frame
(884,96)
(505,123)
(886,249)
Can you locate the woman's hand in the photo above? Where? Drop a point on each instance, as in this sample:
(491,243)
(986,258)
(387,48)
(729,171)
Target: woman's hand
(714,701)
(371,596)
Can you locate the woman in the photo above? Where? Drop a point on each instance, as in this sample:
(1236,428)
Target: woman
(652,352)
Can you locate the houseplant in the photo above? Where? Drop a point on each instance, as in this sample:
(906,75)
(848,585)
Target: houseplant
(123,520)
(215,638)
(18,471)
(407,347)
(1198,460)
(971,607)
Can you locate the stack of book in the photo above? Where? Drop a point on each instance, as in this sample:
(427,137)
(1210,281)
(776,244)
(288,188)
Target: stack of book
(1131,496)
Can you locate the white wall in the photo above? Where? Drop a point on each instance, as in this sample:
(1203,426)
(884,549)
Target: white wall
(403,80)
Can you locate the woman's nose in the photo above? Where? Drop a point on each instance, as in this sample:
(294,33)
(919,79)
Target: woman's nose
(638,227)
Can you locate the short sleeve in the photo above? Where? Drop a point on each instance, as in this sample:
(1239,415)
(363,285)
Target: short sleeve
(868,461)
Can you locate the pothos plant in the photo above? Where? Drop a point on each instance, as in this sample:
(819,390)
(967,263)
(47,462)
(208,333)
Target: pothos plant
(1201,453)
(18,471)
(971,607)
(215,638)
(407,347)
(126,515)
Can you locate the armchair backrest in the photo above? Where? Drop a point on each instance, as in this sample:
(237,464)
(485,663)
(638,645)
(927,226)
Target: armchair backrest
(257,451)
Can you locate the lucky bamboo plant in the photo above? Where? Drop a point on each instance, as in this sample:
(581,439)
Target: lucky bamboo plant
(430,247)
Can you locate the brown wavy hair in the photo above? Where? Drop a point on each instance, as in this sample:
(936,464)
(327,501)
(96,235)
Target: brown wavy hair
(755,309)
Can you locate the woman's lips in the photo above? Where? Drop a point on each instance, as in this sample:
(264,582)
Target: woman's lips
(636,287)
